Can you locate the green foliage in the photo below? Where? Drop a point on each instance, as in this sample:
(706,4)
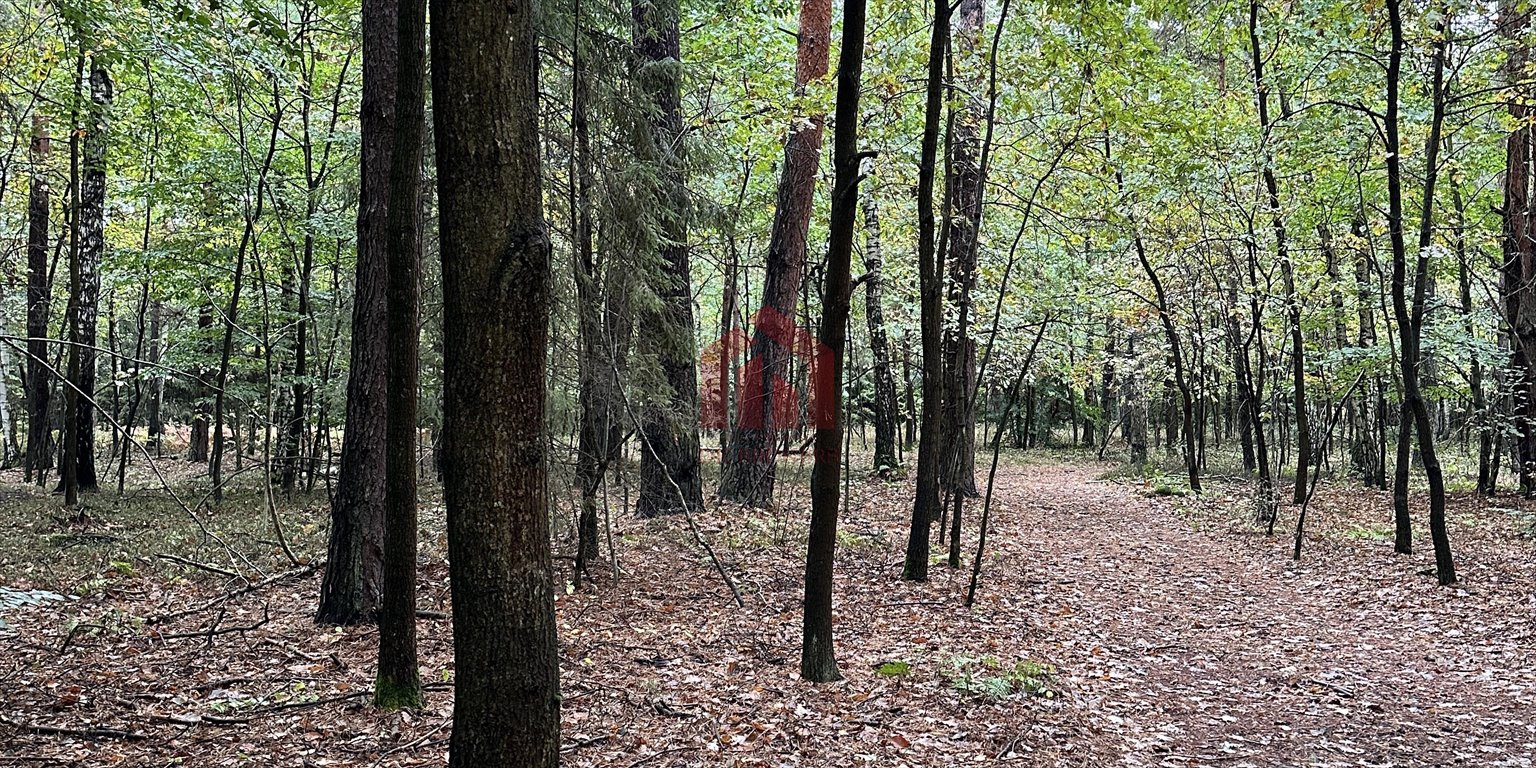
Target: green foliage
(988,677)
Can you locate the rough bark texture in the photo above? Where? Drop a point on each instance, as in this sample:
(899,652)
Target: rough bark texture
(349,592)
(886,458)
(818,663)
(669,467)
(1518,286)
(39,457)
(496,303)
(959,348)
(93,222)
(399,682)
(925,506)
(747,472)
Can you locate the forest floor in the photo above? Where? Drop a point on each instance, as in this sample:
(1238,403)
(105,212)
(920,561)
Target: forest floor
(1113,626)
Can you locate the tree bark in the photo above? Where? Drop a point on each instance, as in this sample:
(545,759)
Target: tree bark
(669,473)
(748,469)
(1518,283)
(1410,324)
(818,663)
(496,305)
(399,681)
(39,386)
(92,224)
(925,507)
(1287,269)
(885,410)
(350,589)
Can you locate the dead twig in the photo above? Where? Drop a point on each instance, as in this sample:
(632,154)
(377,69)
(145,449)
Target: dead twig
(200,566)
(90,733)
(218,601)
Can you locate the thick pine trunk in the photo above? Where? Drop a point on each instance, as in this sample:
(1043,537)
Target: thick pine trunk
(1519,249)
(669,460)
(496,305)
(747,470)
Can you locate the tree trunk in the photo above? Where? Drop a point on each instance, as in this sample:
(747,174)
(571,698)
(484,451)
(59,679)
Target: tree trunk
(1519,250)
(399,681)
(39,386)
(925,507)
(886,458)
(747,470)
(496,305)
(959,348)
(1410,325)
(92,224)
(669,469)
(818,663)
(349,591)
(1287,270)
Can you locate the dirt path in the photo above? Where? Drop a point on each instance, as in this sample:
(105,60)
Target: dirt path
(1214,648)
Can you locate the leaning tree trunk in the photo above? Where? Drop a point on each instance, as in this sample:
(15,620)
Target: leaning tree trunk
(669,465)
(747,469)
(39,456)
(496,306)
(886,458)
(349,591)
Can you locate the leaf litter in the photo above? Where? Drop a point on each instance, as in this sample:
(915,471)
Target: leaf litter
(1112,628)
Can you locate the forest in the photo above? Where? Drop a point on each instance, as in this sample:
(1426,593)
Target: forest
(653,383)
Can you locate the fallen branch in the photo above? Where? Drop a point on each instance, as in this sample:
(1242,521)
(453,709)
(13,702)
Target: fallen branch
(92,733)
(213,630)
(200,566)
(214,603)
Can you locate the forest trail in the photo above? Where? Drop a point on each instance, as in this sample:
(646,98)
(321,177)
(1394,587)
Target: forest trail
(1211,647)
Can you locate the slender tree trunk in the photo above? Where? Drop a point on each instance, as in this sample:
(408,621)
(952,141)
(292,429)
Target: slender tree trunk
(818,663)
(350,589)
(958,471)
(197,441)
(399,681)
(926,505)
(1287,269)
(747,470)
(39,386)
(669,474)
(248,243)
(885,410)
(1410,325)
(93,220)
(496,305)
